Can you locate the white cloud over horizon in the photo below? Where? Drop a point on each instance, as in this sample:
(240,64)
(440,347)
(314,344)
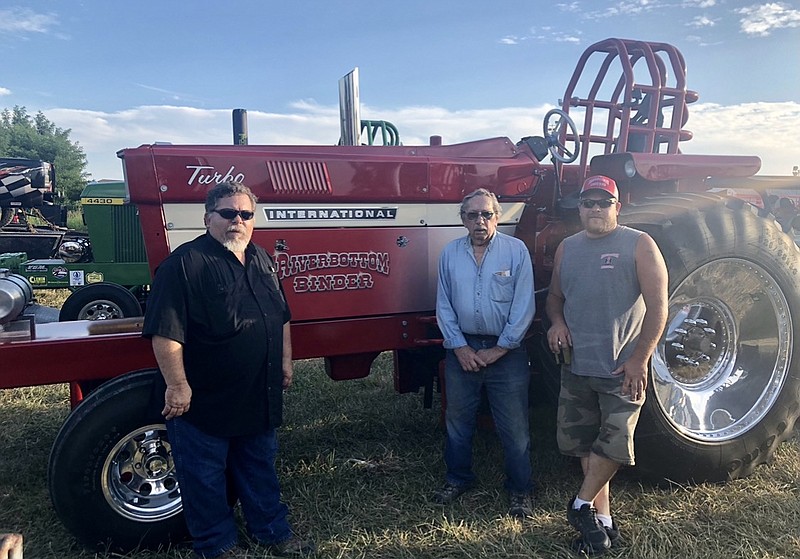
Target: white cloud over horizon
(19,20)
(763,129)
(761,20)
(701,21)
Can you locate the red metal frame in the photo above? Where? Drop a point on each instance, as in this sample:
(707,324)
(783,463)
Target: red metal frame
(653,62)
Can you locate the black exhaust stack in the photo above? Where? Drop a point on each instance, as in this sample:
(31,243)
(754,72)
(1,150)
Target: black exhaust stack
(239,127)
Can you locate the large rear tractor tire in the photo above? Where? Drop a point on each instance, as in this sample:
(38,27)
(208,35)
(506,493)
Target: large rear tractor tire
(100,301)
(111,475)
(725,383)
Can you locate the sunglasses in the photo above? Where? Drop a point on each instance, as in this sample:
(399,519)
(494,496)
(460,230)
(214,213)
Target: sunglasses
(589,203)
(230,213)
(473,216)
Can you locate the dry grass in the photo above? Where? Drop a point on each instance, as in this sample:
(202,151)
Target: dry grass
(51,297)
(358,465)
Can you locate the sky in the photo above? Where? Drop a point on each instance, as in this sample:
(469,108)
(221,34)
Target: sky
(119,75)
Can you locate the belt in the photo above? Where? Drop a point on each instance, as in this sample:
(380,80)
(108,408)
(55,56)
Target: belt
(482,337)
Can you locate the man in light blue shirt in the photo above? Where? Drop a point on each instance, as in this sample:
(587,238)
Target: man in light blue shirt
(484,306)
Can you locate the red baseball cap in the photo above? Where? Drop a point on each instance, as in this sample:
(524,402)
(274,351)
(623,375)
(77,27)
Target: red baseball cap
(600,182)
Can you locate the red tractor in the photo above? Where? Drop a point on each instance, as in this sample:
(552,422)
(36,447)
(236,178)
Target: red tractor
(356,232)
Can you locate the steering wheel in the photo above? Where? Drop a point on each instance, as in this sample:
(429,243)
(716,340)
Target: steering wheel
(554,130)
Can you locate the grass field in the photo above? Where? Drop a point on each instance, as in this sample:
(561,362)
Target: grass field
(359,462)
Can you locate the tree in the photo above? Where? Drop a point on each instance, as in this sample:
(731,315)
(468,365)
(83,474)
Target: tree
(24,136)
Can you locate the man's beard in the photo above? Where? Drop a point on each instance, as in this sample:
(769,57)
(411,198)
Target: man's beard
(236,245)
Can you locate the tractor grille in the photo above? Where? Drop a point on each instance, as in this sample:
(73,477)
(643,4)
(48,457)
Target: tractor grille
(128,240)
(308,177)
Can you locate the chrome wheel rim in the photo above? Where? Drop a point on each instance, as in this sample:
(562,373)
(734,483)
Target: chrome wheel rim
(101,309)
(138,477)
(726,350)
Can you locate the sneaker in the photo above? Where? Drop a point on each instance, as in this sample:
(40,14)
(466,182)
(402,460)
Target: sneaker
(520,505)
(580,546)
(449,493)
(613,534)
(293,546)
(594,539)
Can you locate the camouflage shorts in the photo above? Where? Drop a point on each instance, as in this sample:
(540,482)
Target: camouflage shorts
(594,416)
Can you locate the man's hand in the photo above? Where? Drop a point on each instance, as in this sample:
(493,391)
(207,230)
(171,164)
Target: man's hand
(635,381)
(177,399)
(10,546)
(287,374)
(558,337)
(492,354)
(469,359)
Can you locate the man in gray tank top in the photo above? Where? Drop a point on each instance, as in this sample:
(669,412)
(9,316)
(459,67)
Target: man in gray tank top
(607,303)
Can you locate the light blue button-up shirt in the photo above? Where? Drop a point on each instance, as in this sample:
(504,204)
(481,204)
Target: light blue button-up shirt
(493,299)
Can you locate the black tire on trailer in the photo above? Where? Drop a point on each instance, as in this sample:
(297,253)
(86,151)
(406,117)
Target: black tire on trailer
(110,474)
(6,215)
(725,384)
(100,301)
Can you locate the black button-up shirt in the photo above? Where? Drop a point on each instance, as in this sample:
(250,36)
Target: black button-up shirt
(229,318)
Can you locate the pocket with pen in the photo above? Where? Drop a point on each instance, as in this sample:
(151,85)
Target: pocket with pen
(501,287)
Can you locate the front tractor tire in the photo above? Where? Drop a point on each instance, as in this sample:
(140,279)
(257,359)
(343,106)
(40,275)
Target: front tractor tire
(111,475)
(725,384)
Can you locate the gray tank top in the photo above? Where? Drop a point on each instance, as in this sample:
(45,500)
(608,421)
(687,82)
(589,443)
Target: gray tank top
(603,303)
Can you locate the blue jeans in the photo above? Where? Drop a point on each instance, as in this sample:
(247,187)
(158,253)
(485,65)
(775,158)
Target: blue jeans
(201,462)
(506,382)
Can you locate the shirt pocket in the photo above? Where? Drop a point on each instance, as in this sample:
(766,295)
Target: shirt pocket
(501,288)
(222,312)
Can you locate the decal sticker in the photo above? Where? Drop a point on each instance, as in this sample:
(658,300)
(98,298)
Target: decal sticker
(298,266)
(94,277)
(60,272)
(102,201)
(76,278)
(329,214)
(37,280)
(35,268)
(207,174)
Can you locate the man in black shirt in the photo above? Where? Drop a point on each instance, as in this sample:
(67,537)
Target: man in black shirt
(219,325)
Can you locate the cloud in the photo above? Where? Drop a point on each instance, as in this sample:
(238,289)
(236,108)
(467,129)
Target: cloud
(746,129)
(700,41)
(176,96)
(543,34)
(761,20)
(571,7)
(761,129)
(5,91)
(701,21)
(631,8)
(25,20)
